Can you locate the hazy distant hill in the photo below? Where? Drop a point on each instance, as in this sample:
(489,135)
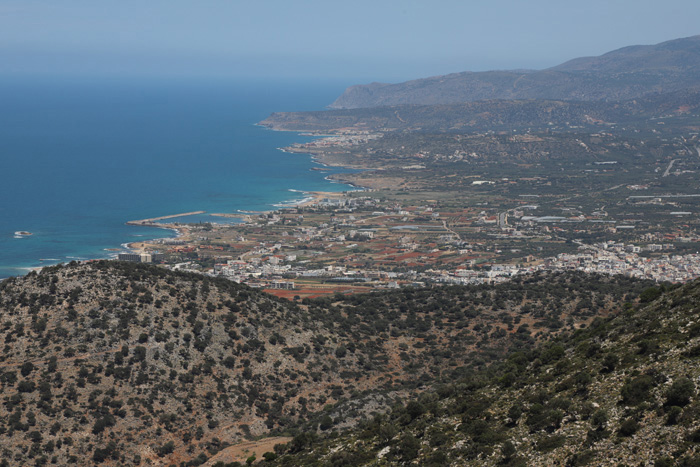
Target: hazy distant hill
(490,114)
(625,73)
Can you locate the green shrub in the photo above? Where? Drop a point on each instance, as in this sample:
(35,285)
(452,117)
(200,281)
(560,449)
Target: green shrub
(650,294)
(629,427)
(408,448)
(414,409)
(165,449)
(326,422)
(102,454)
(610,361)
(599,419)
(663,462)
(27,368)
(673,415)
(680,392)
(508,451)
(341,352)
(437,459)
(637,390)
(580,458)
(550,443)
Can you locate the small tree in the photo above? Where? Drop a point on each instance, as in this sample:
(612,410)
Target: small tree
(52,365)
(680,392)
(629,427)
(341,351)
(508,451)
(673,415)
(326,422)
(27,368)
(609,363)
(140,353)
(637,390)
(407,449)
(165,449)
(599,419)
(414,409)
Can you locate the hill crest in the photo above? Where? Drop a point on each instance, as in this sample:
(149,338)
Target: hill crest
(120,363)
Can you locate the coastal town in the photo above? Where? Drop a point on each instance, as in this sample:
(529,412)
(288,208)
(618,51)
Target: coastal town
(356,241)
(430,208)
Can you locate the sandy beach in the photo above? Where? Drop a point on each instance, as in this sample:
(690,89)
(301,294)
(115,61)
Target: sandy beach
(315,197)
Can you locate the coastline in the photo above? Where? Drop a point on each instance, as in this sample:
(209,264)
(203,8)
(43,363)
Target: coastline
(181,231)
(86,228)
(310,198)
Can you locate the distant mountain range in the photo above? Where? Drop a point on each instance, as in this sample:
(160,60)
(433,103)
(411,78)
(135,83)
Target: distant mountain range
(626,73)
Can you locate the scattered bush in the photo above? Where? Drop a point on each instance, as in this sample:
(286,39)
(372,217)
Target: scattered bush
(673,415)
(165,449)
(680,392)
(637,390)
(628,427)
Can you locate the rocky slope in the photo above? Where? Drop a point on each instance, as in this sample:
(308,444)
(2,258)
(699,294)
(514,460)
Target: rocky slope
(123,364)
(624,391)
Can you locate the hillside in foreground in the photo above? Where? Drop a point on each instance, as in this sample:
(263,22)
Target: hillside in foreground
(121,364)
(624,391)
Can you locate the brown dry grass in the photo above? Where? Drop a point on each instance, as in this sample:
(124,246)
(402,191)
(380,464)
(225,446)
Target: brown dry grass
(242,451)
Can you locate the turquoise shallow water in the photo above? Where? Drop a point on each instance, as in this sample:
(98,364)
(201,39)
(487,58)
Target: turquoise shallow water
(78,159)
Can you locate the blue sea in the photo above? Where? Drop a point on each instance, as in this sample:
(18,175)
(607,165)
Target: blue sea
(80,157)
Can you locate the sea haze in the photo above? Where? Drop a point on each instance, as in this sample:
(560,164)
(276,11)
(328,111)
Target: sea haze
(78,159)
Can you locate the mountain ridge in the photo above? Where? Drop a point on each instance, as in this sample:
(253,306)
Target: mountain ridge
(625,73)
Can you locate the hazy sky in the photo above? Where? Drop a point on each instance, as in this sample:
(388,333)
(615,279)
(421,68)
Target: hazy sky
(354,41)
